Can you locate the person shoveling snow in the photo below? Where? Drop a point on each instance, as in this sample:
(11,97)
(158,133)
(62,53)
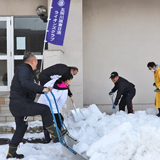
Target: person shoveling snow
(50,73)
(60,91)
(125,89)
(155,68)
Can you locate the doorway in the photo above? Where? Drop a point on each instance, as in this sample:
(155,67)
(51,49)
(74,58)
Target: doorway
(19,35)
(6,52)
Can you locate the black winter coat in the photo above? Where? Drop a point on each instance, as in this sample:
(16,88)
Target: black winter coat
(124,87)
(23,87)
(57,69)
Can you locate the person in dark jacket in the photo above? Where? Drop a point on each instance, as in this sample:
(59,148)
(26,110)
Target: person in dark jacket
(60,91)
(22,95)
(125,91)
(45,76)
(57,69)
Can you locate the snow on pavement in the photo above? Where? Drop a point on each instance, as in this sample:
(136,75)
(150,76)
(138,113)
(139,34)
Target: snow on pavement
(102,137)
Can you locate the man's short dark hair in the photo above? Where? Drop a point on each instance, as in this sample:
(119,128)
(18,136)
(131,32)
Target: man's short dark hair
(74,69)
(27,56)
(151,64)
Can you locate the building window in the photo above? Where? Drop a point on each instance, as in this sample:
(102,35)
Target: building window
(29,35)
(31,31)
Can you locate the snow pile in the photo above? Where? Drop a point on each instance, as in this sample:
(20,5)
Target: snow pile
(121,136)
(102,137)
(153,111)
(91,111)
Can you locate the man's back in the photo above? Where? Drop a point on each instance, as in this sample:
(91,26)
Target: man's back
(123,85)
(57,69)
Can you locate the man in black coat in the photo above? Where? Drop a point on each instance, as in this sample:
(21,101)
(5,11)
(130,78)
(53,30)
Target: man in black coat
(57,69)
(22,95)
(125,91)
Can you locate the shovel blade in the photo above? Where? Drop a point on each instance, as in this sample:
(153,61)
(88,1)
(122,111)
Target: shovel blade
(77,115)
(70,142)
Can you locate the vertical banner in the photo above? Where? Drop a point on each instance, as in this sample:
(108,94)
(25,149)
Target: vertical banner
(57,21)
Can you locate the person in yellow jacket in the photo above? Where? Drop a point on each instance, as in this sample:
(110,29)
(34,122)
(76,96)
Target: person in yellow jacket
(156,70)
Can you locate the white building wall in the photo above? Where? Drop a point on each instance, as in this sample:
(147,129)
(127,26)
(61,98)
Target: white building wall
(20,7)
(122,36)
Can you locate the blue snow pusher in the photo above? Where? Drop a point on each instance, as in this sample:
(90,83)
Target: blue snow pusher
(66,140)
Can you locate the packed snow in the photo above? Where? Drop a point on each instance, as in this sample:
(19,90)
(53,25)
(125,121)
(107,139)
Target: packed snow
(119,136)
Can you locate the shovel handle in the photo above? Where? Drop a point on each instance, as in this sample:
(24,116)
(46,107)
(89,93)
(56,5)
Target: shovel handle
(72,100)
(112,98)
(74,106)
(114,110)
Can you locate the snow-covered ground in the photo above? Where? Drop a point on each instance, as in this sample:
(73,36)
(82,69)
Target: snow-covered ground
(102,137)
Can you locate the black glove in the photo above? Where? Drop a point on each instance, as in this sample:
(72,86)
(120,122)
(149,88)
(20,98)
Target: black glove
(110,93)
(69,93)
(157,90)
(154,84)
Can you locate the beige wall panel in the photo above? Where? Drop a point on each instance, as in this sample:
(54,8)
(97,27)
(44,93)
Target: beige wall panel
(20,7)
(52,57)
(120,36)
(72,48)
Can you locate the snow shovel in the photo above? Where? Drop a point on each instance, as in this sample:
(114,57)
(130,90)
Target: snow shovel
(65,139)
(114,110)
(77,114)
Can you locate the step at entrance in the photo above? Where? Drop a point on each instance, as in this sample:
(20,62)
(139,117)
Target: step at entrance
(5,114)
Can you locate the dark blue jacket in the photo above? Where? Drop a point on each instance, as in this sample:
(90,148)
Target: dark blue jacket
(57,69)
(23,87)
(123,87)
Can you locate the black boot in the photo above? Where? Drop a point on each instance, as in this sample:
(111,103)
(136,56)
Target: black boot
(52,130)
(47,138)
(12,153)
(159,112)
(55,140)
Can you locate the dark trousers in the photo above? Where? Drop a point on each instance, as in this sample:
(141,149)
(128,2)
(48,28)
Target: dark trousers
(127,100)
(46,133)
(28,109)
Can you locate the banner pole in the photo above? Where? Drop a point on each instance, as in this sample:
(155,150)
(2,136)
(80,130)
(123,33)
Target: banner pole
(44,44)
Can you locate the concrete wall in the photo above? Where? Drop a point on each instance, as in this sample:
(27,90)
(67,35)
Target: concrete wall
(122,36)
(20,7)
(72,48)
(52,57)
